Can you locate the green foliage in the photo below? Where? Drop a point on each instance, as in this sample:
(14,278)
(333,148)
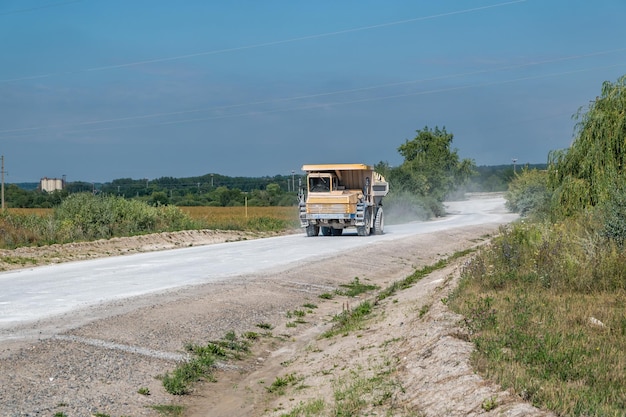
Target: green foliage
(532,302)
(200,365)
(265,224)
(281,383)
(355,288)
(431,167)
(528,194)
(613,217)
(20,230)
(86,217)
(593,167)
(169,410)
(349,320)
(16,197)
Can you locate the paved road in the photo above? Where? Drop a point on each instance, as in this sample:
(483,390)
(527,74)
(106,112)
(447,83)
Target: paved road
(33,294)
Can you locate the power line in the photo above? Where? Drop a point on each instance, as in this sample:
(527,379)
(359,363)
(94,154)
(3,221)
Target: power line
(264,44)
(301,97)
(342,103)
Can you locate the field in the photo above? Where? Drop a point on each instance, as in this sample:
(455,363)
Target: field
(226,218)
(26,211)
(242,218)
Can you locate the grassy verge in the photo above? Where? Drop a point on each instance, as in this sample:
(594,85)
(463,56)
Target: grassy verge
(546,310)
(374,387)
(202,360)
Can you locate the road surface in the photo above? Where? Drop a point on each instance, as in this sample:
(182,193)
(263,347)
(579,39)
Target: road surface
(32,294)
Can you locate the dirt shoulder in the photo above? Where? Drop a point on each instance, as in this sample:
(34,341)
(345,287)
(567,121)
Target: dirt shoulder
(24,257)
(412,339)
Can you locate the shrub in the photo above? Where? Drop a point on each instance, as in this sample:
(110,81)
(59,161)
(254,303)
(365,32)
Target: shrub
(528,194)
(613,218)
(84,216)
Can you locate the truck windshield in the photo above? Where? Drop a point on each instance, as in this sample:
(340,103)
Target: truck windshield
(319,184)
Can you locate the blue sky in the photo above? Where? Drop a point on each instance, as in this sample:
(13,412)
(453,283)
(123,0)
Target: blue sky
(98,90)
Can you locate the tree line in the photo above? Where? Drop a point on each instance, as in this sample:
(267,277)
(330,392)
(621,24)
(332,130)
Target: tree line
(432,171)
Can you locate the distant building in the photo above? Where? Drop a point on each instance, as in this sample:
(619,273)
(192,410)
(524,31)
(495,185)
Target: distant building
(51,184)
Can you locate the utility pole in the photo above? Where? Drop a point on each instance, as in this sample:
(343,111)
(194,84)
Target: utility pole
(514,162)
(293,181)
(2,170)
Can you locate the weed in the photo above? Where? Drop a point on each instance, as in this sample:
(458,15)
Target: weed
(169,410)
(251,335)
(326,296)
(349,320)
(280,383)
(143,391)
(425,308)
(18,260)
(314,407)
(310,306)
(528,300)
(265,326)
(490,403)
(355,288)
(200,365)
(419,274)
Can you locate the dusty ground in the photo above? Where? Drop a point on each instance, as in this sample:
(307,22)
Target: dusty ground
(412,339)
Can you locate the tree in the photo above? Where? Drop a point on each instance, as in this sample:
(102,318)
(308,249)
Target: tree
(593,168)
(159,198)
(430,167)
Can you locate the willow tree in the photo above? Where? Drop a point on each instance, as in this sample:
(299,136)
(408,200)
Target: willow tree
(592,169)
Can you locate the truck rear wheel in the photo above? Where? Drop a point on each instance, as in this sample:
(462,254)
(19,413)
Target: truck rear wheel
(337,232)
(379,222)
(312,230)
(326,231)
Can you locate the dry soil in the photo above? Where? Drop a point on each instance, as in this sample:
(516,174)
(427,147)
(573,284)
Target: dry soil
(51,368)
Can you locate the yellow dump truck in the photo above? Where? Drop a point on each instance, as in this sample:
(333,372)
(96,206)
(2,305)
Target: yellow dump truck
(338,196)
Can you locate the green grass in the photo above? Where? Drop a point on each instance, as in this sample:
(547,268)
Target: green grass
(419,274)
(354,288)
(169,410)
(349,320)
(280,384)
(200,365)
(314,407)
(18,260)
(547,321)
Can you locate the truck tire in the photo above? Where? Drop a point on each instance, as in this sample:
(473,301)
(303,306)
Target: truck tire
(312,230)
(365,229)
(379,222)
(326,231)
